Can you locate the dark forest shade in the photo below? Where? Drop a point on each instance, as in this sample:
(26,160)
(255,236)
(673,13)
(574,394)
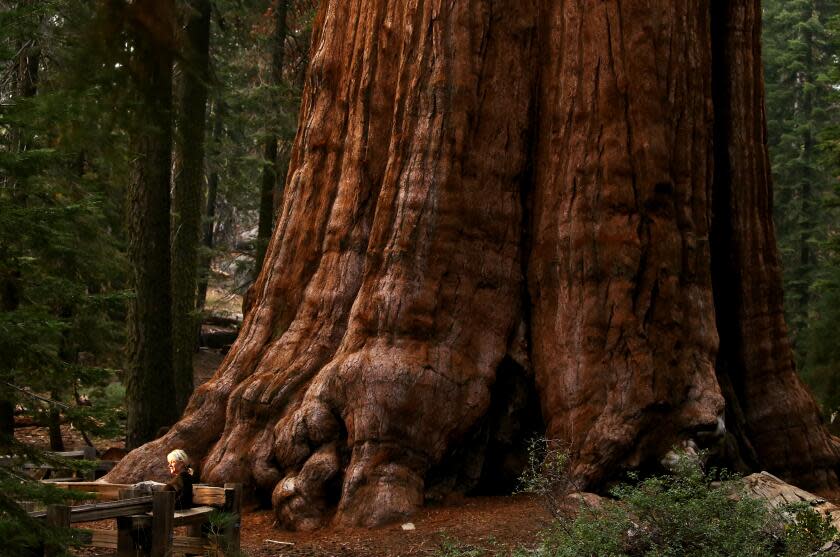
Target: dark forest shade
(576,194)
(24,85)
(150,400)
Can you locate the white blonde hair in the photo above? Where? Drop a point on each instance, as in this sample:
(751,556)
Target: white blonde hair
(178,455)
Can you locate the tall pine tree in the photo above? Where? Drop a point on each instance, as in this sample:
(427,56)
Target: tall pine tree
(187,191)
(150,399)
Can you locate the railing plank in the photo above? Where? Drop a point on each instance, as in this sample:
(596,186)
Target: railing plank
(109,509)
(135,513)
(210,495)
(107,539)
(101,491)
(191,544)
(192,515)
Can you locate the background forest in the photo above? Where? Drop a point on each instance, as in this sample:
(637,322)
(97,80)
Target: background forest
(78,206)
(72,102)
(801,41)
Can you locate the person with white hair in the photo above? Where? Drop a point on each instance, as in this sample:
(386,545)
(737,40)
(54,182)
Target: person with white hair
(181,480)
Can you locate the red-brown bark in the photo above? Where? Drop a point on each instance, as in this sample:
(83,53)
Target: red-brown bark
(623,325)
(486,194)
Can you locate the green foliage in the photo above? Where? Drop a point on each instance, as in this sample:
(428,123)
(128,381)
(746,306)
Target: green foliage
(18,530)
(805,529)
(61,263)
(800,42)
(450,547)
(63,160)
(687,513)
(252,111)
(546,473)
(218,521)
(822,361)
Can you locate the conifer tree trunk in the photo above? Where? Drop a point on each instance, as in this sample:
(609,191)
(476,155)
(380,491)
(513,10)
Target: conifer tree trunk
(187,194)
(209,219)
(623,323)
(53,416)
(9,301)
(568,194)
(150,400)
(270,167)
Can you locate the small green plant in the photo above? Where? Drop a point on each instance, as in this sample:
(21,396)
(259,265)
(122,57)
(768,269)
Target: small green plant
(804,529)
(217,523)
(547,474)
(450,547)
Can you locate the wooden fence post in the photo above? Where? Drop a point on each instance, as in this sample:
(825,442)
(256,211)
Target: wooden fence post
(126,543)
(163,510)
(233,505)
(58,516)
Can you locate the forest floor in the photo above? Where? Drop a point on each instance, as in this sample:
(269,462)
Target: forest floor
(467,526)
(470,526)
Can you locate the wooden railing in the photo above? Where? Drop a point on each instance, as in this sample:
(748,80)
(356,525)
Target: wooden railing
(145,524)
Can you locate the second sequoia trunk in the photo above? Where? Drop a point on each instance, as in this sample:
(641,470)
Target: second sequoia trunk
(623,328)
(510,192)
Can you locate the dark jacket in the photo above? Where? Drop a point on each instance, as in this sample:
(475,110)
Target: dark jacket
(182,485)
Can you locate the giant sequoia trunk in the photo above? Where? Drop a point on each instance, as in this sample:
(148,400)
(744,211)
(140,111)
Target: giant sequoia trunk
(485,195)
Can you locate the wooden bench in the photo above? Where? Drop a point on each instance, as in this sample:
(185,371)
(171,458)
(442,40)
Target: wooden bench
(145,524)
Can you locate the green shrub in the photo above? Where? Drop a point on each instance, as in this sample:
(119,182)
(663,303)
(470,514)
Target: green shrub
(804,529)
(685,514)
(547,474)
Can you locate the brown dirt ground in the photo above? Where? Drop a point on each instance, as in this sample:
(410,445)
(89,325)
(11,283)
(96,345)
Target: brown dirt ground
(486,525)
(475,525)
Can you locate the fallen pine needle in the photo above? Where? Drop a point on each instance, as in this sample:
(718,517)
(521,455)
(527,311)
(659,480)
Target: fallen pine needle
(279,542)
